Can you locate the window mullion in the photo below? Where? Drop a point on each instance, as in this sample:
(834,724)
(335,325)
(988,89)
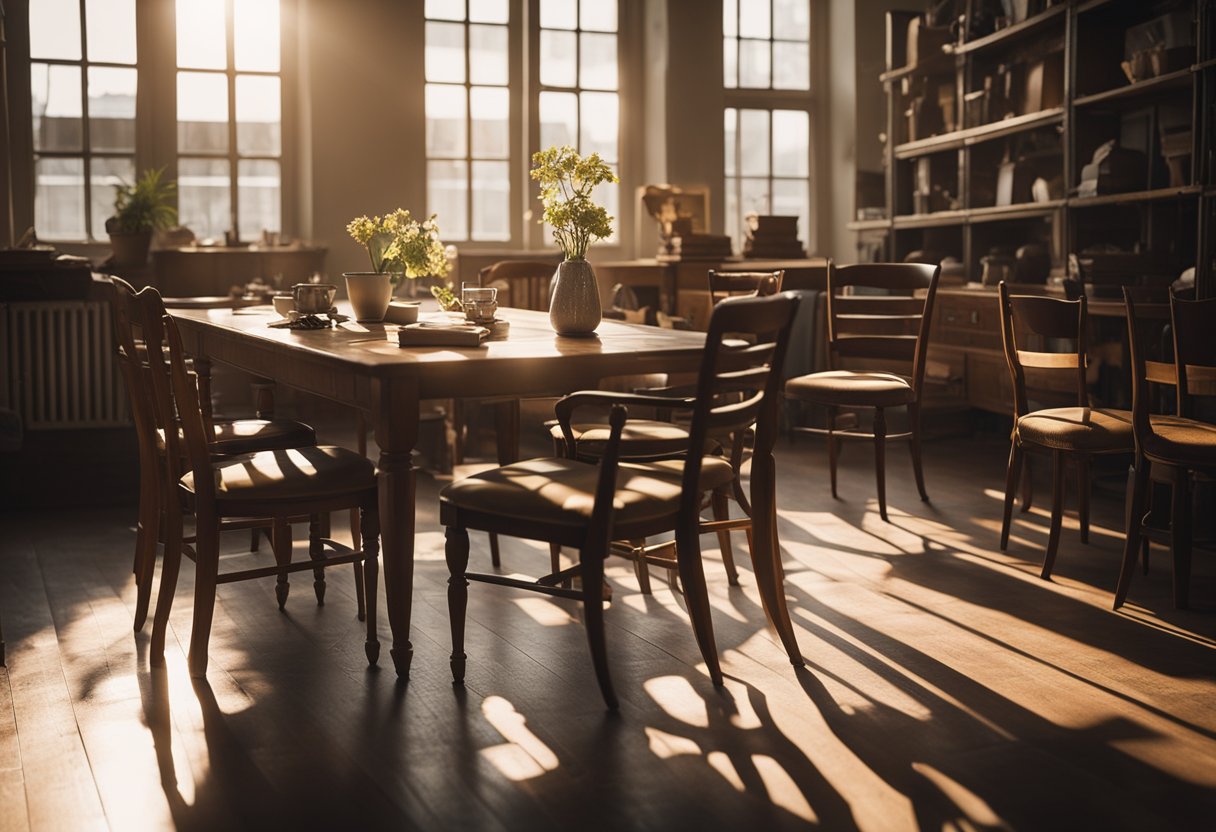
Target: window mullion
(233,163)
(86,166)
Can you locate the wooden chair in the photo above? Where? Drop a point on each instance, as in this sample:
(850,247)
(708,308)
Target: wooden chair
(227,436)
(1174,448)
(661,438)
(524,283)
(1070,434)
(569,502)
(887,331)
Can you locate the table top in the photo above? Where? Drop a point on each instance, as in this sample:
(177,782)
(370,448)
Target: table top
(526,358)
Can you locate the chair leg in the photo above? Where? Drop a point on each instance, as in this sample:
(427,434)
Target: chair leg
(1027,484)
(736,463)
(1137,493)
(1057,512)
(766,556)
(356,542)
(592,574)
(914,446)
(207,558)
(640,567)
(316,552)
(255,535)
(1144,547)
(171,564)
(1083,489)
(280,541)
(721,510)
(145,548)
(1011,485)
(833,449)
(370,515)
(457,553)
(1180,537)
(495,557)
(880,459)
(696,595)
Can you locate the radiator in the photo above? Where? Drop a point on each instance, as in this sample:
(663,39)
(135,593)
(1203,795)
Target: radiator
(59,366)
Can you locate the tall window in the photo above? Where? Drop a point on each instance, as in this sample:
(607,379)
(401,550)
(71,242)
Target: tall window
(229,117)
(578,102)
(82,79)
(468,107)
(766,61)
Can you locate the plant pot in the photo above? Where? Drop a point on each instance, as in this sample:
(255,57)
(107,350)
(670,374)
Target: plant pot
(574,304)
(370,294)
(130,247)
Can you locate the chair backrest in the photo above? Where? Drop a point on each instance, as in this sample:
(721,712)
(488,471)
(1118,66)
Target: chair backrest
(127,319)
(1194,323)
(723,285)
(753,374)
(1043,319)
(194,431)
(526,282)
(1147,317)
(892,326)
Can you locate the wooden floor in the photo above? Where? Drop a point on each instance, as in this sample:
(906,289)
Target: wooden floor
(947,686)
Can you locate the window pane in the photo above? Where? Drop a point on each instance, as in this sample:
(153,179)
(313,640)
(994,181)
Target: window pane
(791,199)
(598,15)
(446,120)
(203,197)
(488,55)
(491,129)
(447,189)
(557,54)
(753,142)
(445,52)
(489,11)
(111,108)
(445,9)
(730,63)
(258,116)
(791,66)
(202,112)
(56,107)
(791,140)
(106,174)
(600,124)
(730,18)
(55,29)
(491,201)
(201,36)
(111,30)
(255,35)
(792,20)
(753,197)
(59,199)
(754,64)
(559,14)
(729,123)
(597,62)
(259,188)
(754,20)
(558,119)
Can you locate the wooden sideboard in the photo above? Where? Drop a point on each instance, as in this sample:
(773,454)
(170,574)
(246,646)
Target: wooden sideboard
(194,271)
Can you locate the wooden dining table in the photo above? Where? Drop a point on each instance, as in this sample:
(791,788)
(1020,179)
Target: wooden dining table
(362,365)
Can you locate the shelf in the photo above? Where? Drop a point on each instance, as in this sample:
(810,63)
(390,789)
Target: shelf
(982,133)
(933,65)
(869,225)
(1010,33)
(937,218)
(1023,210)
(1134,197)
(1173,80)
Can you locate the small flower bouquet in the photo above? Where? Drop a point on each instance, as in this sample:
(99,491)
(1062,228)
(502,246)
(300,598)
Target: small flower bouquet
(401,246)
(566,182)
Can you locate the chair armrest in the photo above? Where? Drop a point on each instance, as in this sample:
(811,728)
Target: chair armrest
(566,406)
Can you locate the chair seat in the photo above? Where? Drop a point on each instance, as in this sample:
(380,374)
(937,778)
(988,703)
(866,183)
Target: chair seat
(561,492)
(294,474)
(641,437)
(846,388)
(1182,441)
(247,436)
(1078,429)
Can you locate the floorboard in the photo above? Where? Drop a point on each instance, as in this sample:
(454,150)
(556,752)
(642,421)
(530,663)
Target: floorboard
(947,685)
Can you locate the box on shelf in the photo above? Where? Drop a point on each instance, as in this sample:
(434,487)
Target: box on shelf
(1043,88)
(925,41)
(1114,170)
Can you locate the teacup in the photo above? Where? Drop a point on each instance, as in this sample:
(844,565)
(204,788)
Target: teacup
(283,304)
(314,298)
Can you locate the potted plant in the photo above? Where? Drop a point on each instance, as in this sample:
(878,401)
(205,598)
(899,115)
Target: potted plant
(140,209)
(398,246)
(566,182)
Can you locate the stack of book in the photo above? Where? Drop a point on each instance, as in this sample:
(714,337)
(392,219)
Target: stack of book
(699,247)
(774,238)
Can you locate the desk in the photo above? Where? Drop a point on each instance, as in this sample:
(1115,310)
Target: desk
(362,366)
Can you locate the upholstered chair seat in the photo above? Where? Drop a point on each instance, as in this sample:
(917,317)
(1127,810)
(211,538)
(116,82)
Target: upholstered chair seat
(246,436)
(1184,441)
(859,389)
(289,474)
(641,438)
(1078,429)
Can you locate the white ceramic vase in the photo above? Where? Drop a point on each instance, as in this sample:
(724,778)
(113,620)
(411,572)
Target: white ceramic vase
(370,294)
(574,307)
